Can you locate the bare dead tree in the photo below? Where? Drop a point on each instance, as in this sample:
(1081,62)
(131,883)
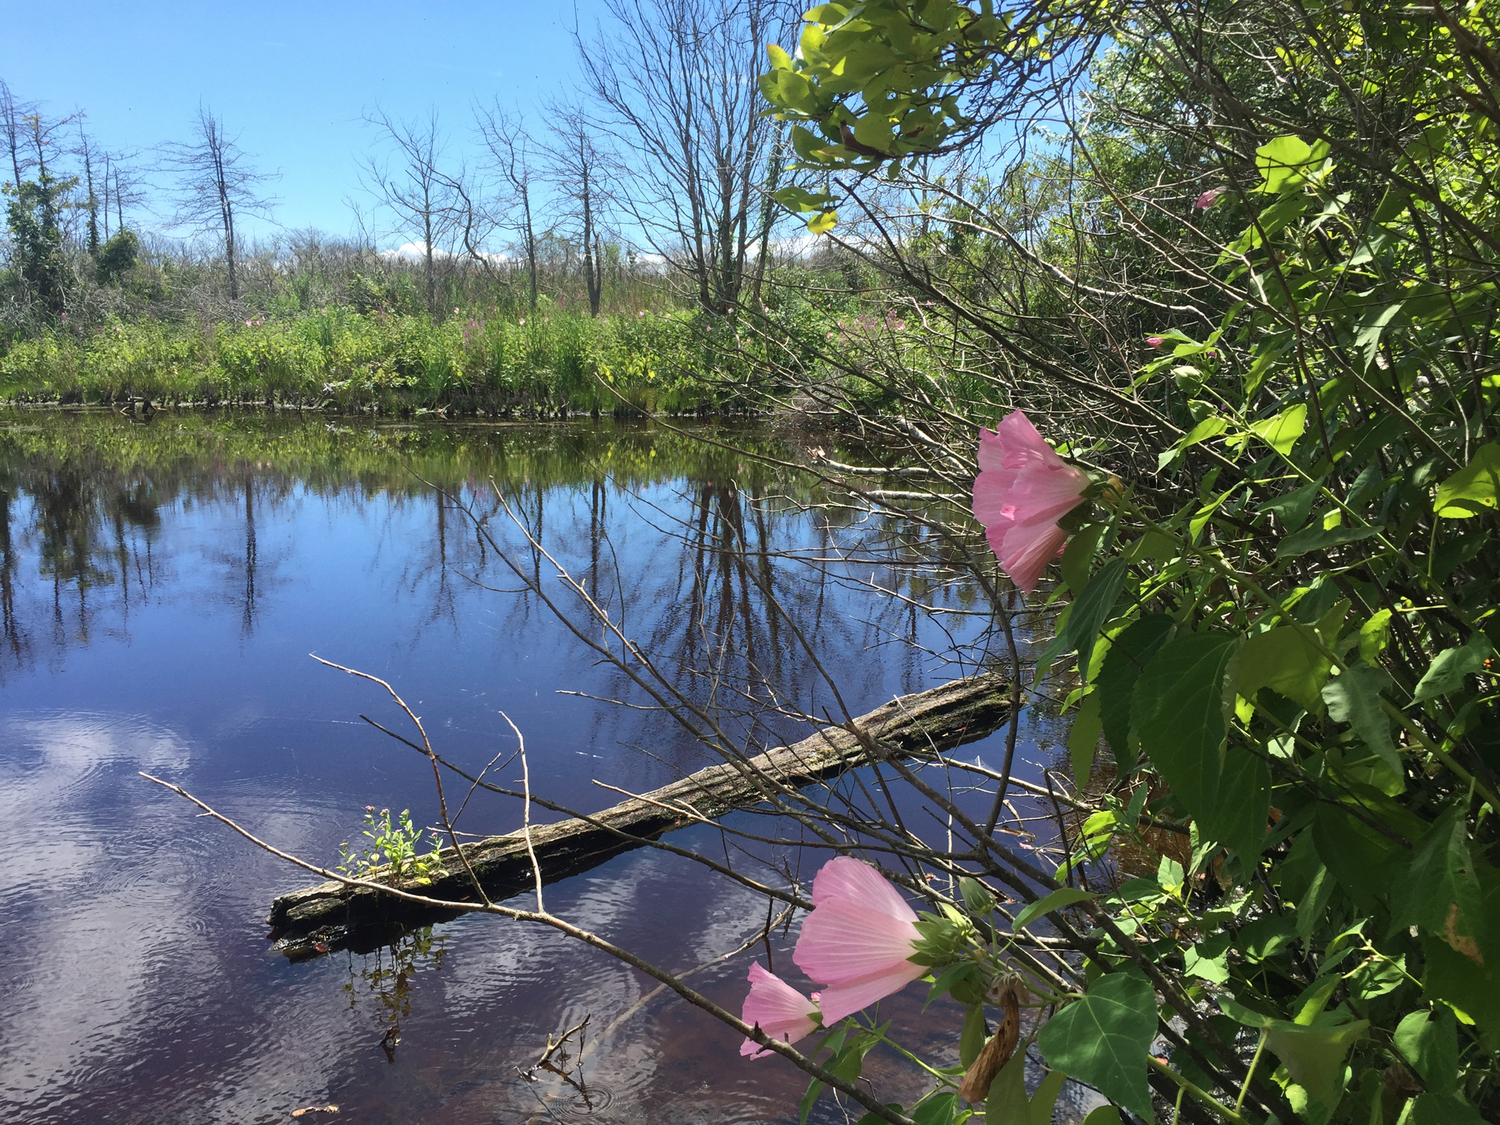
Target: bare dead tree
(419,195)
(583,175)
(511,148)
(123,187)
(216,185)
(676,84)
(13,116)
(89,155)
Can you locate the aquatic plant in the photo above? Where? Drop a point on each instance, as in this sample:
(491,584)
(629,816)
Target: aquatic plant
(393,853)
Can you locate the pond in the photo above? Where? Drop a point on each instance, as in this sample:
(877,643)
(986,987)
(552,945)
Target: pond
(162,586)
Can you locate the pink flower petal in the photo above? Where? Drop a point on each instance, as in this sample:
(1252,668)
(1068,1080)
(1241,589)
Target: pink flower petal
(992,502)
(1013,444)
(853,880)
(1155,341)
(1022,490)
(858,937)
(1045,492)
(1208,198)
(1026,550)
(776,1008)
(845,941)
(840,1000)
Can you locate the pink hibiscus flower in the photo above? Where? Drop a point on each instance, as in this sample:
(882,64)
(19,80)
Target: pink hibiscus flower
(1022,490)
(1208,198)
(1155,341)
(858,938)
(776,1008)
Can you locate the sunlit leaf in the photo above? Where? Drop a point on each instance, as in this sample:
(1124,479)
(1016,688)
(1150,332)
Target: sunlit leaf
(1103,1039)
(1063,896)
(1473,488)
(1285,660)
(1447,671)
(1429,1041)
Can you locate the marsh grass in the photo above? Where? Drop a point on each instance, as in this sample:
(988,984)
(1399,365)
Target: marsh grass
(557,361)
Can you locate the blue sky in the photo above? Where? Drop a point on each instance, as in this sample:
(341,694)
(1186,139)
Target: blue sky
(290,79)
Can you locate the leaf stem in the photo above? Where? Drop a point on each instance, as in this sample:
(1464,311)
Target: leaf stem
(1254,1062)
(1233,1116)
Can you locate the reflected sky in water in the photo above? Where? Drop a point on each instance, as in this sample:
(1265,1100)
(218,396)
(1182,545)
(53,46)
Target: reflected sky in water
(161,589)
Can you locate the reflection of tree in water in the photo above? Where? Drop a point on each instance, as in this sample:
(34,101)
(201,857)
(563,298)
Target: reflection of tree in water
(704,557)
(91,532)
(744,598)
(385,978)
(249,576)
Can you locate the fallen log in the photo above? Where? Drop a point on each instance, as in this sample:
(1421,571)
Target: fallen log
(334,915)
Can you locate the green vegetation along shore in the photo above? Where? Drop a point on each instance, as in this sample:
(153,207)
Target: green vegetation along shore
(340,358)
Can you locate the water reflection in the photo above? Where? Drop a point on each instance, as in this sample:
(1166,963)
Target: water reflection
(159,588)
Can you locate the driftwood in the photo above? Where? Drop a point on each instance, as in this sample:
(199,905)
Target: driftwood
(333,915)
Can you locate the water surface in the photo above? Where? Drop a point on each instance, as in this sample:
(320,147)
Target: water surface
(162,587)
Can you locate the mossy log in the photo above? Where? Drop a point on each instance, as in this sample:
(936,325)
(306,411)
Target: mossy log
(333,915)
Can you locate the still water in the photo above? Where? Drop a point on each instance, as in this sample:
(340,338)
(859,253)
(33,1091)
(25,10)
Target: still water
(162,586)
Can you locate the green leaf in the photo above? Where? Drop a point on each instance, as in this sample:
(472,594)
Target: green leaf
(1362,860)
(1472,489)
(823,223)
(1083,738)
(1314,1056)
(1281,432)
(1210,427)
(1103,1115)
(1285,162)
(1007,1103)
(1442,1109)
(1285,660)
(1063,896)
(1374,634)
(1455,979)
(1448,669)
(873,130)
(951,977)
(1353,697)
(1293,508)
(1320,538)
(1078,556)
(974,1034)
(1367,339)
(1178,714)
(940,1109)
(779,58)
(1092,609)
(1103,1039)
(1129,653)
(1441,893)
(1045,1099)
(1431,1046)
(814,1088)
(1377,978)
(1265,937)
(1241,807)
(1208,959)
